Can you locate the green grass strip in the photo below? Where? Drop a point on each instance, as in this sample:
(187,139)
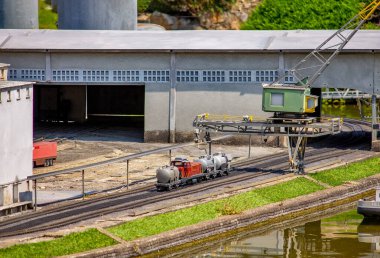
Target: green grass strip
(345,216)
(350,172)
(153,225)
(70,244)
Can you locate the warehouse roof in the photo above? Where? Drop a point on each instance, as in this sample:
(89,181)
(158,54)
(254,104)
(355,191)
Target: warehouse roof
(217,40)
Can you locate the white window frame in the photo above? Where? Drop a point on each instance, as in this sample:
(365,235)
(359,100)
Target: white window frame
(276,99)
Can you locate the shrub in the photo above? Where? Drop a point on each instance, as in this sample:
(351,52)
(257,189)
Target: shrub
(299,14)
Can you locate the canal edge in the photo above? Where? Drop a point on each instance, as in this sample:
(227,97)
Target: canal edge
(256,220)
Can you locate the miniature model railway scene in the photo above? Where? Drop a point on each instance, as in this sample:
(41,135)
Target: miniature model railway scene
(122,138)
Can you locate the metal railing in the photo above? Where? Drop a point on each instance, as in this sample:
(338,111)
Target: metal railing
(344,94)
(128,158)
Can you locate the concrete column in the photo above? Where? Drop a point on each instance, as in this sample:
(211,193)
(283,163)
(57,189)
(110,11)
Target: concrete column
(48,73)
(375,142)
(173,98)
(281,65)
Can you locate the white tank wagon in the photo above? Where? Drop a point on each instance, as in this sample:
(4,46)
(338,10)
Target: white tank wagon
(182,171)
(222,161)
(167,174)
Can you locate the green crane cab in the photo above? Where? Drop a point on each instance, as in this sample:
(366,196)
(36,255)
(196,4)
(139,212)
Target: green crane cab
(284,98)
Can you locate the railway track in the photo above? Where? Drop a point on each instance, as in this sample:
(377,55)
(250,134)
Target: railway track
(74,212)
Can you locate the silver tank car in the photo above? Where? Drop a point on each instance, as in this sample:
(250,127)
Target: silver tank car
(221,161)
(167,174)
(207,163)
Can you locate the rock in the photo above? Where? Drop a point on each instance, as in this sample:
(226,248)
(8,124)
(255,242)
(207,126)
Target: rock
(164,20)
(175,23)
(229,20)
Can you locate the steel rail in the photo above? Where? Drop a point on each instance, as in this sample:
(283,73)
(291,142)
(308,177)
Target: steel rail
(239,176)
(12,229)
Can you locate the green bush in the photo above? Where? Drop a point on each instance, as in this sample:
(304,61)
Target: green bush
(143,5)
(300,14)
(47,18)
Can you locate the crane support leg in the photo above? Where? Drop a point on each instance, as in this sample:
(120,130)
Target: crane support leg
(296,151)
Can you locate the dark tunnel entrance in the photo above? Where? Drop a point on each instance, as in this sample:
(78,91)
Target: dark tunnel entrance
(74,108)
(116,104)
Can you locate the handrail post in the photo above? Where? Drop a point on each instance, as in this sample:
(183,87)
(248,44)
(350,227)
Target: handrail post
(127,173)
(249,150)
(83,184)
(35,194)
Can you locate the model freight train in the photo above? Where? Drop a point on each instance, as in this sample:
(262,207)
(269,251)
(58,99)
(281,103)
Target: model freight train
(182,171)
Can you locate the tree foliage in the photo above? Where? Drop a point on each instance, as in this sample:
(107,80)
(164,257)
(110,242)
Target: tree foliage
(300,14)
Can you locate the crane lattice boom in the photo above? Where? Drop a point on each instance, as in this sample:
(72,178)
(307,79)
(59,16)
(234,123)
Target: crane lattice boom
(317,61)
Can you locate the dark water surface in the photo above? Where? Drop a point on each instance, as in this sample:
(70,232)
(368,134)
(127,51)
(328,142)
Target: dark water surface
(344,235)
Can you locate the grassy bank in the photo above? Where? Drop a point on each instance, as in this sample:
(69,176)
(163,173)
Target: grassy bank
(233,205)
(350,172)
(70,244)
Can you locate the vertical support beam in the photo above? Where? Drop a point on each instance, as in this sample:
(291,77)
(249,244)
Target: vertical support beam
(35,194)
(86,107)
(172,98)
(249,150)
(374,118)
(281,65)
(83,184)
(170,156)
(48,73)
(296,150)
(128,174)
(209,147)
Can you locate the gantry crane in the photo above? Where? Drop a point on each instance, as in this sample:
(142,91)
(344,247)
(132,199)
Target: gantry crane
(305,73)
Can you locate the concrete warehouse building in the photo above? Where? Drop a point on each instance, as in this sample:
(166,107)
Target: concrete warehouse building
(16,137)
(160,80)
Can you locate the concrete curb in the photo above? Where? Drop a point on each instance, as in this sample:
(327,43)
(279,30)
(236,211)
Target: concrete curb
(255,219)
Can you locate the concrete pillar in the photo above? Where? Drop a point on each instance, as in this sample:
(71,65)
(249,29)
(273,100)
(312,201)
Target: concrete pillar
(172,98)
(18,14)
(97,14)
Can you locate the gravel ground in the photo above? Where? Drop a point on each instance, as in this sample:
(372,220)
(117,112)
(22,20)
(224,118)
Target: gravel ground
(73,153)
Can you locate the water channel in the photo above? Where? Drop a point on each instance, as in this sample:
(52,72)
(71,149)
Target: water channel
(343,235)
